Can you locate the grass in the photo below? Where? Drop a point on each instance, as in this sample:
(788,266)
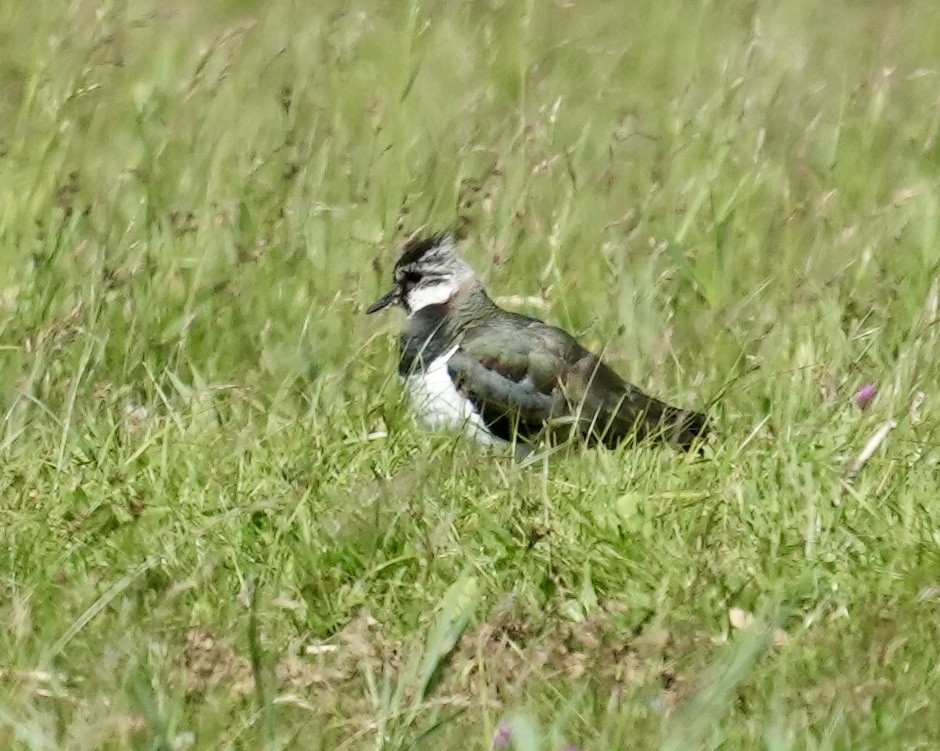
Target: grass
(221,529)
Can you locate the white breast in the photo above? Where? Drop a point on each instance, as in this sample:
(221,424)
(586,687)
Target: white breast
(439,405)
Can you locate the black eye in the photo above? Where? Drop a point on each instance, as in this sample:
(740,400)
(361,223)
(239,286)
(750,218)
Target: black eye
(410,277)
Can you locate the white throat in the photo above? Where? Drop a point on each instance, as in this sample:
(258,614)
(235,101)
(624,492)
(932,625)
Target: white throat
(434,294)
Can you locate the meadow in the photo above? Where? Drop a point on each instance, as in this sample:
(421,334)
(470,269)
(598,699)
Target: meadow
(220,527)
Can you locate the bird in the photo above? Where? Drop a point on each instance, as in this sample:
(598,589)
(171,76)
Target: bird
(504,378)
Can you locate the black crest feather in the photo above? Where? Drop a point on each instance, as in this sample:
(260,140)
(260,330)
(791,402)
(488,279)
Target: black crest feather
(416,247)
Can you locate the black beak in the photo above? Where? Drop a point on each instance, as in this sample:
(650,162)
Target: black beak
(383,302)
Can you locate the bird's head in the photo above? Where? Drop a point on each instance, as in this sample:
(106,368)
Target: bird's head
(429,272)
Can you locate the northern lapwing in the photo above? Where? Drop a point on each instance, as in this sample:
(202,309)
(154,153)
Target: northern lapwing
(504,377)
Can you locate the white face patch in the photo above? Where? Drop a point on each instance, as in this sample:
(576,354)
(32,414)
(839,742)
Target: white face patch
(422,295)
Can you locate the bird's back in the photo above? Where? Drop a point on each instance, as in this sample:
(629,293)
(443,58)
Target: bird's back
(580,387)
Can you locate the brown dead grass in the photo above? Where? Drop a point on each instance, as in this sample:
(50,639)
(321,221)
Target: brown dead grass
(494,663)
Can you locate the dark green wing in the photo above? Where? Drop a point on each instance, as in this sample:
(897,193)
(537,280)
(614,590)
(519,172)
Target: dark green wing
(510,380)
(523,375)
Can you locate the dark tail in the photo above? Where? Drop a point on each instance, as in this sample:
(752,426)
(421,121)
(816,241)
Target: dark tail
(642,417)
(682,427)
(614,411)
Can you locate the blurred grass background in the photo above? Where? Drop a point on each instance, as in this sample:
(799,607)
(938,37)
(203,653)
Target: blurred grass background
(220,529)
